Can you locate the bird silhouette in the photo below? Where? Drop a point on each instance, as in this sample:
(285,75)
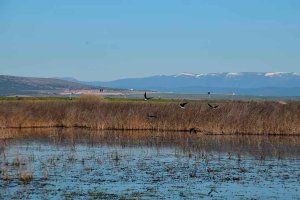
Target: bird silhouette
(182,105)
(213,107)
(211,191)
(151,116)
(193,130)
(147,98)
(208,93)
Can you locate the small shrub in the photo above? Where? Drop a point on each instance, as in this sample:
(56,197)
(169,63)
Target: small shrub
(26,177)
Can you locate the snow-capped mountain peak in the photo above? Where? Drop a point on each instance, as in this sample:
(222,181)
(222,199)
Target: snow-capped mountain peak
(245,83)
(235,74)
(231,74)
(273,74)
(186,74)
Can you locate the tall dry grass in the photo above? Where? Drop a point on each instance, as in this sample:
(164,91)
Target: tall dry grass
(232,117)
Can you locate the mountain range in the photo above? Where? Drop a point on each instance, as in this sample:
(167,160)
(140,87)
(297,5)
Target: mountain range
(13,85)
(242,83)
(245,83)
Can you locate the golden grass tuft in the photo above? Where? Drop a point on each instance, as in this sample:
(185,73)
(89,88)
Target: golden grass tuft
(26,177)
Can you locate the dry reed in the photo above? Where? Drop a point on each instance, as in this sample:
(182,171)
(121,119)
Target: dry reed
(25,177)
(232,117)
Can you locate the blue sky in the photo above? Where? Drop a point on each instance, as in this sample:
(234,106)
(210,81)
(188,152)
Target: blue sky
(111,39)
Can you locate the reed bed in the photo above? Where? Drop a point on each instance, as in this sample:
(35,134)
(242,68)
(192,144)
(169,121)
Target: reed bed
(231,117)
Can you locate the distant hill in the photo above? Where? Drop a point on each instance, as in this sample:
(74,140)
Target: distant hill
(12,85)
(246,83)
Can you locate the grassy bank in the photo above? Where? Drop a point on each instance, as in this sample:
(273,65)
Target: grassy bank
(231,117)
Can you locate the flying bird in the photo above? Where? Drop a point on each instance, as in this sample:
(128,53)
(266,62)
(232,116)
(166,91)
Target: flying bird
(208,93)
(213,107)
(147,98)
(193,130)
(182,105)
(211,191)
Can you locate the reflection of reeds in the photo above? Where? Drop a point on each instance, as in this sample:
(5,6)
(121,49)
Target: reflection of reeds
(46,173)
(17,162)
(71,158)
(5,174)
(258,145)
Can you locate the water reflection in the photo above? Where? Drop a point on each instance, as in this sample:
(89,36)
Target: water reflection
(255,145)
(86,164)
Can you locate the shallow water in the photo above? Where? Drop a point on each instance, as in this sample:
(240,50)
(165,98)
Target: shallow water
(84,164)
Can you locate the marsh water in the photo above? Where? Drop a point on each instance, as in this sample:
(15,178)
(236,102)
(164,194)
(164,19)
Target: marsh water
(86,164)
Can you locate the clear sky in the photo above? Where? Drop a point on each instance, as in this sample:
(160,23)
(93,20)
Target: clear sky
(111,39)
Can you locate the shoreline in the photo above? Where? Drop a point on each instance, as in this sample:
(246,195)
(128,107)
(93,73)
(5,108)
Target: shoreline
(148,130)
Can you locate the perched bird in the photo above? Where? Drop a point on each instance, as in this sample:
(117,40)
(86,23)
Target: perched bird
(193,130)
(147,98)
(212,107)
(182,105)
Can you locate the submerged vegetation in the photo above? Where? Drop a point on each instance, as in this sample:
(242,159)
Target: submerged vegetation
(91,164)
(231,117)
